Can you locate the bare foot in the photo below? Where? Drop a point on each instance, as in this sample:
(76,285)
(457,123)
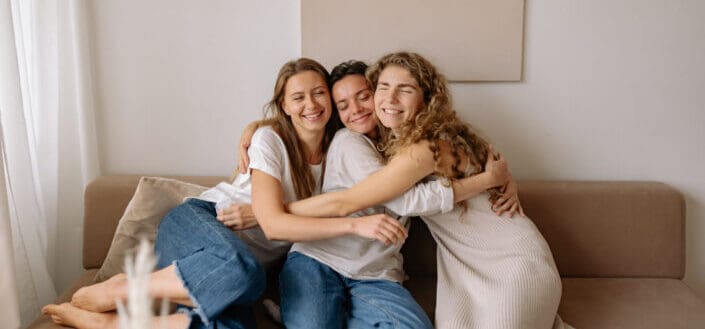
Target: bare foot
(101,297)
(71,316)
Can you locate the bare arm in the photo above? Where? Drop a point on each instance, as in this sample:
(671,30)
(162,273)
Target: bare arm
(365,162)
(496,174)
(401,173)
(433,197)
(277,224)
(241,216)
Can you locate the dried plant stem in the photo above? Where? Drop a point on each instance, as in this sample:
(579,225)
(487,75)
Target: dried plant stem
(138,314)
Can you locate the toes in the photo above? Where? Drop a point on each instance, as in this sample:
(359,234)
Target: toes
(49,309)
(53,311)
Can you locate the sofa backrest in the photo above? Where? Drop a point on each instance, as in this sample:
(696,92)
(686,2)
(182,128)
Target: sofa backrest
(610,229)
(595,229)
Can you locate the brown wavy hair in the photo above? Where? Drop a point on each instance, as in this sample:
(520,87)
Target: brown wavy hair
(435,121)
(304,183)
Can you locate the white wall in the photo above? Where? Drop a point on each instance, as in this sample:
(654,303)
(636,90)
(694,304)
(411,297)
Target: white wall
(178,80)
(610,91)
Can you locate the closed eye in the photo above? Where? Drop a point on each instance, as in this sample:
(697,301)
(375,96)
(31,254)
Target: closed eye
(382,86)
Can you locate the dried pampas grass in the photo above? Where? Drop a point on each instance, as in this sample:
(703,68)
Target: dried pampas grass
(138,314)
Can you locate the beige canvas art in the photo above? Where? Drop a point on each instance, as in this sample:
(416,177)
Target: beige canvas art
(468,40)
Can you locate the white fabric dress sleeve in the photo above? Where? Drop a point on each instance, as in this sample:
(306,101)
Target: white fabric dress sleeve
(359,160)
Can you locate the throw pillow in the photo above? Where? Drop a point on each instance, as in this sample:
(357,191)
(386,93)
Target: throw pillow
(152,200)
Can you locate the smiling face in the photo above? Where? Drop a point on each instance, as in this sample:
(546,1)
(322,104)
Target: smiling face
(398,97)
(307,102)
(354,100)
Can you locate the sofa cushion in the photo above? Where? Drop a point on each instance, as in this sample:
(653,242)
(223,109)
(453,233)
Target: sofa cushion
(104,203)
(591,303)
(617,303)
(152,200)
(586,303)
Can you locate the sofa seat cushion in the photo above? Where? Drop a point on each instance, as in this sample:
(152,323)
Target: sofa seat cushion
(630,303)
(88,278)
(587,303)
(606,303)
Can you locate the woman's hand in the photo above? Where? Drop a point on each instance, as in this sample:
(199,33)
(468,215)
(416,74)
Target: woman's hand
(497,169)
(509,200)
(237,216)
(243,161)
(380,227)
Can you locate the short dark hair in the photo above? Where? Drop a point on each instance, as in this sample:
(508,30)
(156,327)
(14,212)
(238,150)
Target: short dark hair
(344,69)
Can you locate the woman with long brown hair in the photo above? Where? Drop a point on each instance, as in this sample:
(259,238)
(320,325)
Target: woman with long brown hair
(213,274)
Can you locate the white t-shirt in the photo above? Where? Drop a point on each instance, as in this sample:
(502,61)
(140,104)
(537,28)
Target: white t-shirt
(351,158)
(268,154)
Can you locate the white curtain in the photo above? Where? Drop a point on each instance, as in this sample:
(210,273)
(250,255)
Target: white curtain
(48,146)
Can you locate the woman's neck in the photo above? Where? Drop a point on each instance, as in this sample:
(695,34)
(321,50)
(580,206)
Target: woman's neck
(312,143)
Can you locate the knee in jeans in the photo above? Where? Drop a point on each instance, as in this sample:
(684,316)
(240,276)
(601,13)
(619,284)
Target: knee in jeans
(299,266)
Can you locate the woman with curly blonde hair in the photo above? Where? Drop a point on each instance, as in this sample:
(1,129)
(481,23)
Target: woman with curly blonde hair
(493,271)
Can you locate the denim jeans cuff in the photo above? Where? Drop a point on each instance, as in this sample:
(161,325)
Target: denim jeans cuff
(197,309)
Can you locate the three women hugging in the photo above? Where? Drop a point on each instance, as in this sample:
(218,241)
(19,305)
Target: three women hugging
(343,265)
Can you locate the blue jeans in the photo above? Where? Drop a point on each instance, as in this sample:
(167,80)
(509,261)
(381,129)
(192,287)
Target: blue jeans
(313,295)
(222,276)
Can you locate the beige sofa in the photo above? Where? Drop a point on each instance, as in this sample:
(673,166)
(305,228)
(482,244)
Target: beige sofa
(620,248)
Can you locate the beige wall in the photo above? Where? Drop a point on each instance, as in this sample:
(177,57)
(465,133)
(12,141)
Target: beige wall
(610,91)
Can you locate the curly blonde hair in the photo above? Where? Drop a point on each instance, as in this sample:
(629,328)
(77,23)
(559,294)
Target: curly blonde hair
(435,122)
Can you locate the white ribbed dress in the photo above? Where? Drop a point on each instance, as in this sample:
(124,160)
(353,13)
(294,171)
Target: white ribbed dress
(493,272)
